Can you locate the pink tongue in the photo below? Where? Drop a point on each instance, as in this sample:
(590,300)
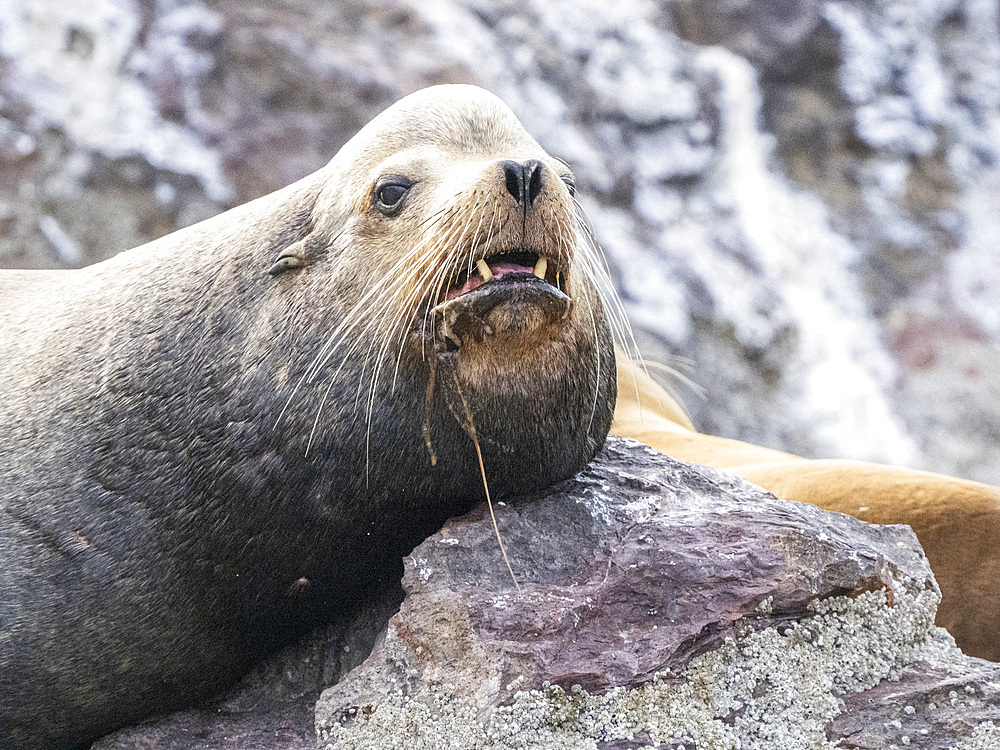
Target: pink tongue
(475,280)
(504,268)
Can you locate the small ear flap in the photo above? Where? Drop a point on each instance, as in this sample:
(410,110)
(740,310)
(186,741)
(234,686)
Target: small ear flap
(293,256)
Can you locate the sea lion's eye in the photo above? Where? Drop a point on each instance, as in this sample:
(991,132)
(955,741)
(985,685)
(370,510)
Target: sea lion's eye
(389,194)
(570,183)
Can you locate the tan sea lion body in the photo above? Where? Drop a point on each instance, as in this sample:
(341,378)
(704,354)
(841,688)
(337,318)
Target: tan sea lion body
(957,521)
(213,441)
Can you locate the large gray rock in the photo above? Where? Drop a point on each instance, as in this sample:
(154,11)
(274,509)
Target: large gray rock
(272,707)
(798,196)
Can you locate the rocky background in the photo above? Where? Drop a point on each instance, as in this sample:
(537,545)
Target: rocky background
(799,199)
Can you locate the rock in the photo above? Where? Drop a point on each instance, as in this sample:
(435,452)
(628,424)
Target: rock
(285,728)
(933,703)
(656,602)
(798,196)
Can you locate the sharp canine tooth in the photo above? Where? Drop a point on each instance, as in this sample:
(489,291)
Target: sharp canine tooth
(540,267)
(484,269)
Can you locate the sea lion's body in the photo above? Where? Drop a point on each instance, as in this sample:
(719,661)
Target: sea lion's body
(957,521)
(194,467)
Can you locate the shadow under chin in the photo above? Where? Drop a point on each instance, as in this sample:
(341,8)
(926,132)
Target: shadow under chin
(537,421)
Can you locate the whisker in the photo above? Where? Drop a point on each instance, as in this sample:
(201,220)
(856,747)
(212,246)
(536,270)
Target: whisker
(594,263)
(482,472)
(388,338)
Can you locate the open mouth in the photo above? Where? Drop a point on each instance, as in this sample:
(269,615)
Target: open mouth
(518,263)
(508,295)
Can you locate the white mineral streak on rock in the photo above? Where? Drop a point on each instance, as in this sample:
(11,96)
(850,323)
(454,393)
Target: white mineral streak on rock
(905,122)
(64,245)
(949,84)
(73,62)
(975,267)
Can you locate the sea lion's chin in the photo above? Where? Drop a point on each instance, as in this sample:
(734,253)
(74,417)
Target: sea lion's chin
(511,314)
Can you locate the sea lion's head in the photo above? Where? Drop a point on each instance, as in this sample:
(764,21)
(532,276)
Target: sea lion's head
(467,277)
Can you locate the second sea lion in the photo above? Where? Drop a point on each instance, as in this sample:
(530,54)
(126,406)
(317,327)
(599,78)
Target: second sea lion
(957,521)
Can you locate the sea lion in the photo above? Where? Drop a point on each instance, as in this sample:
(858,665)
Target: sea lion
(217,439)
(956,521)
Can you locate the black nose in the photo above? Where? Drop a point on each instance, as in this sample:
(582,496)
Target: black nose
(524,180)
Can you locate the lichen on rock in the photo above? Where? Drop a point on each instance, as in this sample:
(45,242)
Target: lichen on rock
(763,690)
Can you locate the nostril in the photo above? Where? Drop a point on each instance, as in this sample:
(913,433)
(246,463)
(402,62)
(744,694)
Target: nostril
(524,181)
(514,175)
(533,179)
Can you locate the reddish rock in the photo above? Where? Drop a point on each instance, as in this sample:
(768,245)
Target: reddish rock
(932,704)
(639,580)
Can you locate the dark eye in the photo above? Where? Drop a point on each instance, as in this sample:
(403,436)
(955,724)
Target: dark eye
(570,183)
(389,194)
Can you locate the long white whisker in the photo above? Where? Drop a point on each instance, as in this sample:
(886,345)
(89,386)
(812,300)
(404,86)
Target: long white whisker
(387,340)
(596,261)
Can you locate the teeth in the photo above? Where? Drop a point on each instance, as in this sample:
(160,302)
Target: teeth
(540,267)
(484,269)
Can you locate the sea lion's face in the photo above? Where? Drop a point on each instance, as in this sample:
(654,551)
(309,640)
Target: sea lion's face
(460,240)
(488,243)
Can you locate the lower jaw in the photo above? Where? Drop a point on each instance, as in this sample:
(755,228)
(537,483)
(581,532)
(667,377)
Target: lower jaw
(512,312)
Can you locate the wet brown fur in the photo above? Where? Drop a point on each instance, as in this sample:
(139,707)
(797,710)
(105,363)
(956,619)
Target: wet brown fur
(217,440)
